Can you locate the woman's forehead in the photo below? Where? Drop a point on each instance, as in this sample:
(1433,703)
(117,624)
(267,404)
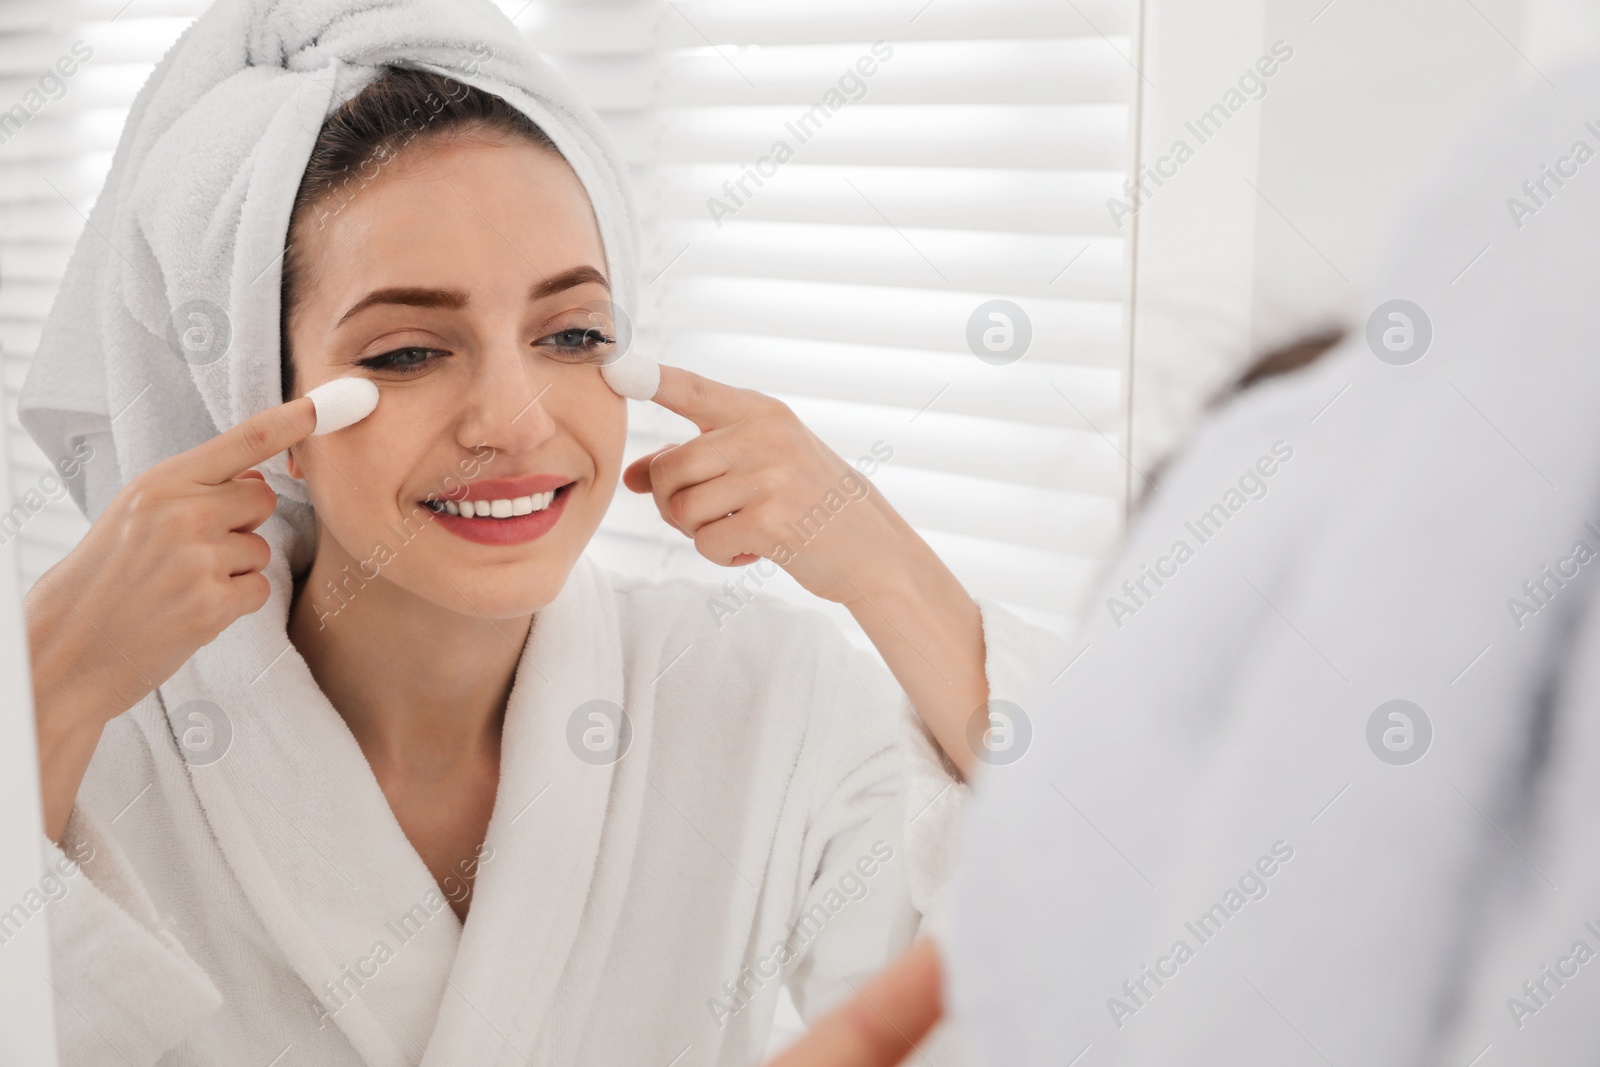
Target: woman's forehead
(468,216)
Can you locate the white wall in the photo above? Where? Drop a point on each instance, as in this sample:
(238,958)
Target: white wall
(1375,91)
(1194,250)
(1378,91)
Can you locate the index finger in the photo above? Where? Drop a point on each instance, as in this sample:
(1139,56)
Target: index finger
(255,440)
(703,401)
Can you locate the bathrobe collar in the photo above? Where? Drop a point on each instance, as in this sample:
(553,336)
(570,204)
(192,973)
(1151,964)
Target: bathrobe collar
(312,841)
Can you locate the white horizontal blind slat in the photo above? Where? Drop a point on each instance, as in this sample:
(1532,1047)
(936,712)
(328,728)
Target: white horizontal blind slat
(580,27)
(1080,332)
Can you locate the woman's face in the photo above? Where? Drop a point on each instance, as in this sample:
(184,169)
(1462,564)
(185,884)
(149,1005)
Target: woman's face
(467,280)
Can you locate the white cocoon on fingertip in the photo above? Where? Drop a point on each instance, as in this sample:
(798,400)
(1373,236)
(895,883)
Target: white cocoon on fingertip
(633,376)
(342,402)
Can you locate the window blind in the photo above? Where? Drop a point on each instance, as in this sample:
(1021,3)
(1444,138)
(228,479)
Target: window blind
(940,155)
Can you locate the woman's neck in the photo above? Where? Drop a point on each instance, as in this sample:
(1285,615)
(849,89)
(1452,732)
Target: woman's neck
(421,687)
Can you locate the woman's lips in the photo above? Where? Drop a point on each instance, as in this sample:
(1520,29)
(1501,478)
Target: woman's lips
(501,488)
(514,530)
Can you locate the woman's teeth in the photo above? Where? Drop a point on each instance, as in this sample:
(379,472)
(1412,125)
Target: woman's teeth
(505,508)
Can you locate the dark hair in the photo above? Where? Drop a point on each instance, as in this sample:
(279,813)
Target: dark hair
(1291,357)
(368,131)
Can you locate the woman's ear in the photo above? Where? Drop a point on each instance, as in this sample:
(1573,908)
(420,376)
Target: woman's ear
(294,463)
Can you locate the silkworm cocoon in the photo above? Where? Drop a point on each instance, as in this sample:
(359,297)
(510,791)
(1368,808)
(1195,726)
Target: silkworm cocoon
(633,376)
(342,402)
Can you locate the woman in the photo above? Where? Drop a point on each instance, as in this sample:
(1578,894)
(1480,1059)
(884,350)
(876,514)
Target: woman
(327,721)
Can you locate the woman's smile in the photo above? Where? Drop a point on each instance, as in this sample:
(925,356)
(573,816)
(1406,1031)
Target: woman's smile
(503,511)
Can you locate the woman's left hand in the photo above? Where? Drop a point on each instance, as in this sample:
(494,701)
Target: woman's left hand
(757,483)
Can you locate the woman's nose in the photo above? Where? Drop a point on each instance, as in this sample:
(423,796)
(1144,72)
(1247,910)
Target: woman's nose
(506,404)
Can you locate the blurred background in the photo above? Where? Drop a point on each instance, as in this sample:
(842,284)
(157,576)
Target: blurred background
(938,156)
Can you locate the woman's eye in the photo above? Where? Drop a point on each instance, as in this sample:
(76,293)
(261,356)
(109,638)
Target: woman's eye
(578,344)
(404,360)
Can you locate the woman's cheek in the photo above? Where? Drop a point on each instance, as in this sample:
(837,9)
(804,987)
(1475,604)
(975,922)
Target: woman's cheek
(356,470)
(607,429)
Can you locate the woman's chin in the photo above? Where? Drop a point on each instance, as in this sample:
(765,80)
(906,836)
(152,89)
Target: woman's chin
(495,593)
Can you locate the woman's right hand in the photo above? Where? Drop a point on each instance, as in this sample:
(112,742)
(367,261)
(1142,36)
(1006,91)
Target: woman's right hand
(884,1023)
(169,564)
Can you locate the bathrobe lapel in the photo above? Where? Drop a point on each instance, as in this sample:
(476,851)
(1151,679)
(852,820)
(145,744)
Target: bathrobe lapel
(305,827)
(544,837)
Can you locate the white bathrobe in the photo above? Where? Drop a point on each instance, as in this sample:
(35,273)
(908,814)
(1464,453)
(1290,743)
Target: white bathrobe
(265,907)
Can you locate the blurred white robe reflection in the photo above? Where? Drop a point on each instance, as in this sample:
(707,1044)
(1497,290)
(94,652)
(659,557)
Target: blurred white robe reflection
(1440,861)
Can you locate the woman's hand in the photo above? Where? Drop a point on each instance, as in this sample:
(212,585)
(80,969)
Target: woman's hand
(169,564)
(882,1024)
(757,483)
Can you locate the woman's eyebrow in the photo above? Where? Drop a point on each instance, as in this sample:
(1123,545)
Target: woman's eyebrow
(456,299)
(567,279)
